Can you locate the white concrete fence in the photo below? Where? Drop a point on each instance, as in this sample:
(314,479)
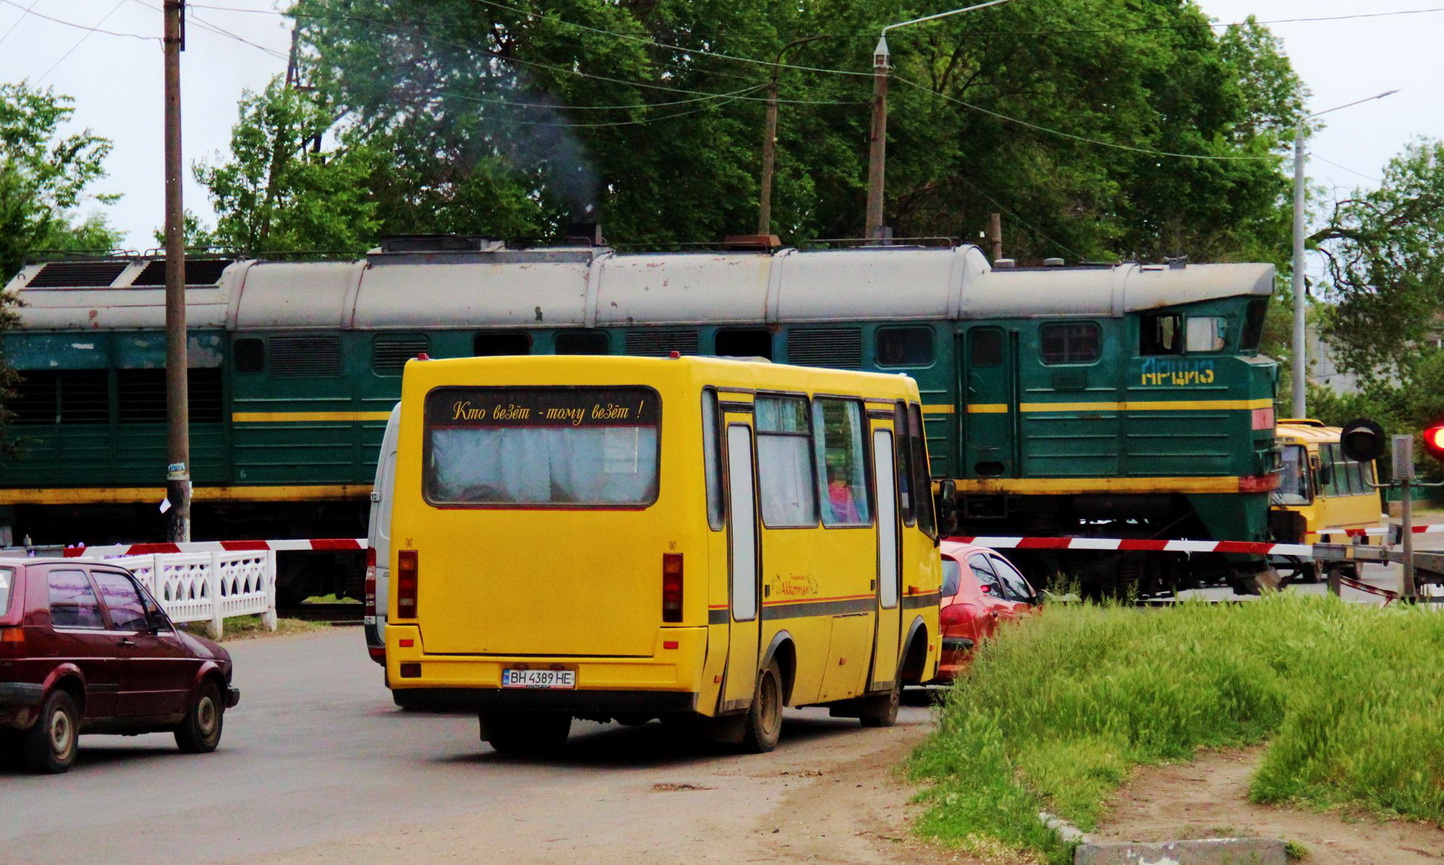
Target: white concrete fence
(207,587)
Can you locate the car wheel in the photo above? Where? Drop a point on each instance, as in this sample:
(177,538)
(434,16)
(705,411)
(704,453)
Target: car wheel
(763,726)
(882,711)
(530,734)
(200,732)
(50,745)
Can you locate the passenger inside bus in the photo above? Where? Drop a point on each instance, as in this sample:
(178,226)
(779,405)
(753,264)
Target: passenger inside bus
(839,495)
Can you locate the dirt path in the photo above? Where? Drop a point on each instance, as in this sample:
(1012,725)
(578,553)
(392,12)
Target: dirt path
(1209,798)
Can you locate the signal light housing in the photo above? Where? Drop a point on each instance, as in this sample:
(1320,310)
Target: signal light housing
(1362,440)
(1434,441)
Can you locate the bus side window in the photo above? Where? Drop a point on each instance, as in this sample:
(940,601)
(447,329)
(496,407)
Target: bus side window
(840,463)
(712,460)
(921,479)
(784,462)
(905,473)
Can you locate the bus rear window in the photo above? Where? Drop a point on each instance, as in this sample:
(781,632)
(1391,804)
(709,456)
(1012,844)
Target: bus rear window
(541,447)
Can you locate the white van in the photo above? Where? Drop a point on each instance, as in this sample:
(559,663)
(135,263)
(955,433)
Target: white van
(378,542)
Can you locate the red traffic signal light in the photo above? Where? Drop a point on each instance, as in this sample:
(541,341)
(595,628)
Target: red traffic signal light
(1434,441)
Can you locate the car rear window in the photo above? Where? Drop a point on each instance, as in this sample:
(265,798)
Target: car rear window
(952,573)
(7,579)
(539,447)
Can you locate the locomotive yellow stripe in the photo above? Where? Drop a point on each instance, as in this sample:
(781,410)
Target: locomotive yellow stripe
(1080,486)
(1134,405)
(937,409)
(153,495)
(305,416)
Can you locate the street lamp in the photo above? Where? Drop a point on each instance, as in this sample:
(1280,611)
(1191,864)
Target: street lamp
(877,153)
(1300,301)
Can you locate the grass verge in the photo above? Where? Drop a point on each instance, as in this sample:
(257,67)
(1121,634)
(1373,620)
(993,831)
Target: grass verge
(250,628)
(1055,714)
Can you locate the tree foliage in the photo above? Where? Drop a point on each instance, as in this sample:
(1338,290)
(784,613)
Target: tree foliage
(43,177)
(516,119)
(1385,279)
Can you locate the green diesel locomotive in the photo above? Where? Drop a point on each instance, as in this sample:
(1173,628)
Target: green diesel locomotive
(1110,401)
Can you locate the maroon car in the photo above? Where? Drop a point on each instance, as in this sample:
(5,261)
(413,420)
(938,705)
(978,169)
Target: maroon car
(84,648)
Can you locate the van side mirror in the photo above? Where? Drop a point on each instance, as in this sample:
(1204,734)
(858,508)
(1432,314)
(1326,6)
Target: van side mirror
(946,501)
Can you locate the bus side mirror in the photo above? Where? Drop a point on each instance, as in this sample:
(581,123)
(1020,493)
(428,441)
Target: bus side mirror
(1326,472)
(946,499)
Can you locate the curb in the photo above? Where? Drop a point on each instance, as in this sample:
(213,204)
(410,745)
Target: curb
(1210,851)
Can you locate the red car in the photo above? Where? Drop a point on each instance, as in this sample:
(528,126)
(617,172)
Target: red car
(980,589)
(84,648)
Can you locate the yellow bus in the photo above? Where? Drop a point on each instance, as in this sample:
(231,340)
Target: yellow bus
(678,538)
(1321,493)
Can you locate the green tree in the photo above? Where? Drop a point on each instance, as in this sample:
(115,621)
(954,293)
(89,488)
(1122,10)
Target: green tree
(43,177)
(1384,251)
(515,119)
(279,192)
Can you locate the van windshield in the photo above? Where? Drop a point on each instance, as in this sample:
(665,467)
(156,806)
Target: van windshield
(553,446)
(7,578)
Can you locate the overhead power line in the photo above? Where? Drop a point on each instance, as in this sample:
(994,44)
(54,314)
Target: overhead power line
(1083,138)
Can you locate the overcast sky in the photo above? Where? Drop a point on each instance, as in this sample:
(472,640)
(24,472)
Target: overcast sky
(116,80)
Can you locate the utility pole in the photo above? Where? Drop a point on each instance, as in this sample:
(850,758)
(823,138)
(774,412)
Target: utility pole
(178,446)
(877,149)
(769,140)
(995,234)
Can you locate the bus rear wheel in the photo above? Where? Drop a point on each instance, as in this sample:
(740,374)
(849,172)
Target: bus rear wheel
(882,711)
(530,734)
(763,726)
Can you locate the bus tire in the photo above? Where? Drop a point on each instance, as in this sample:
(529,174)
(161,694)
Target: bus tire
(763,726)
(529,734)
(882,711)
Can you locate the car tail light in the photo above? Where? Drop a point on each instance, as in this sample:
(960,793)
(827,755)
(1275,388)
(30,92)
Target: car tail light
(369,610)
(406,576)
(671,587)
(377,653)
(959,614)
(12,642)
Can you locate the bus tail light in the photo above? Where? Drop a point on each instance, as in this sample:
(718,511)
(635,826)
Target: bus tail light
(369,610)
(406,577)
(671,587)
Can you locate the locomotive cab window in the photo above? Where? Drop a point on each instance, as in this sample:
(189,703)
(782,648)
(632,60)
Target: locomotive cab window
(499,342)
(1071,343)
(750,342)
(1159,333)
(1207,333)
(904,346)
(583,342)
(250,355)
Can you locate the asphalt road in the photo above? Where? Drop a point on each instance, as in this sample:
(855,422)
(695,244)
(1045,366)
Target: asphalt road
(317,753)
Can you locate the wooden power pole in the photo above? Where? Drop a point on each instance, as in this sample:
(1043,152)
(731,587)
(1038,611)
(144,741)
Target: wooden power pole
(178,478)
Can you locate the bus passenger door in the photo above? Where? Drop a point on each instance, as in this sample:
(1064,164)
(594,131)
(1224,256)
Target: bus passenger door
(889,611)
(989,408)
(743,591)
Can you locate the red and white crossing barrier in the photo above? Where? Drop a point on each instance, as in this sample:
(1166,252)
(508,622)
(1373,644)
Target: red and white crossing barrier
(317,544)
(1372,531)
(1144,545)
